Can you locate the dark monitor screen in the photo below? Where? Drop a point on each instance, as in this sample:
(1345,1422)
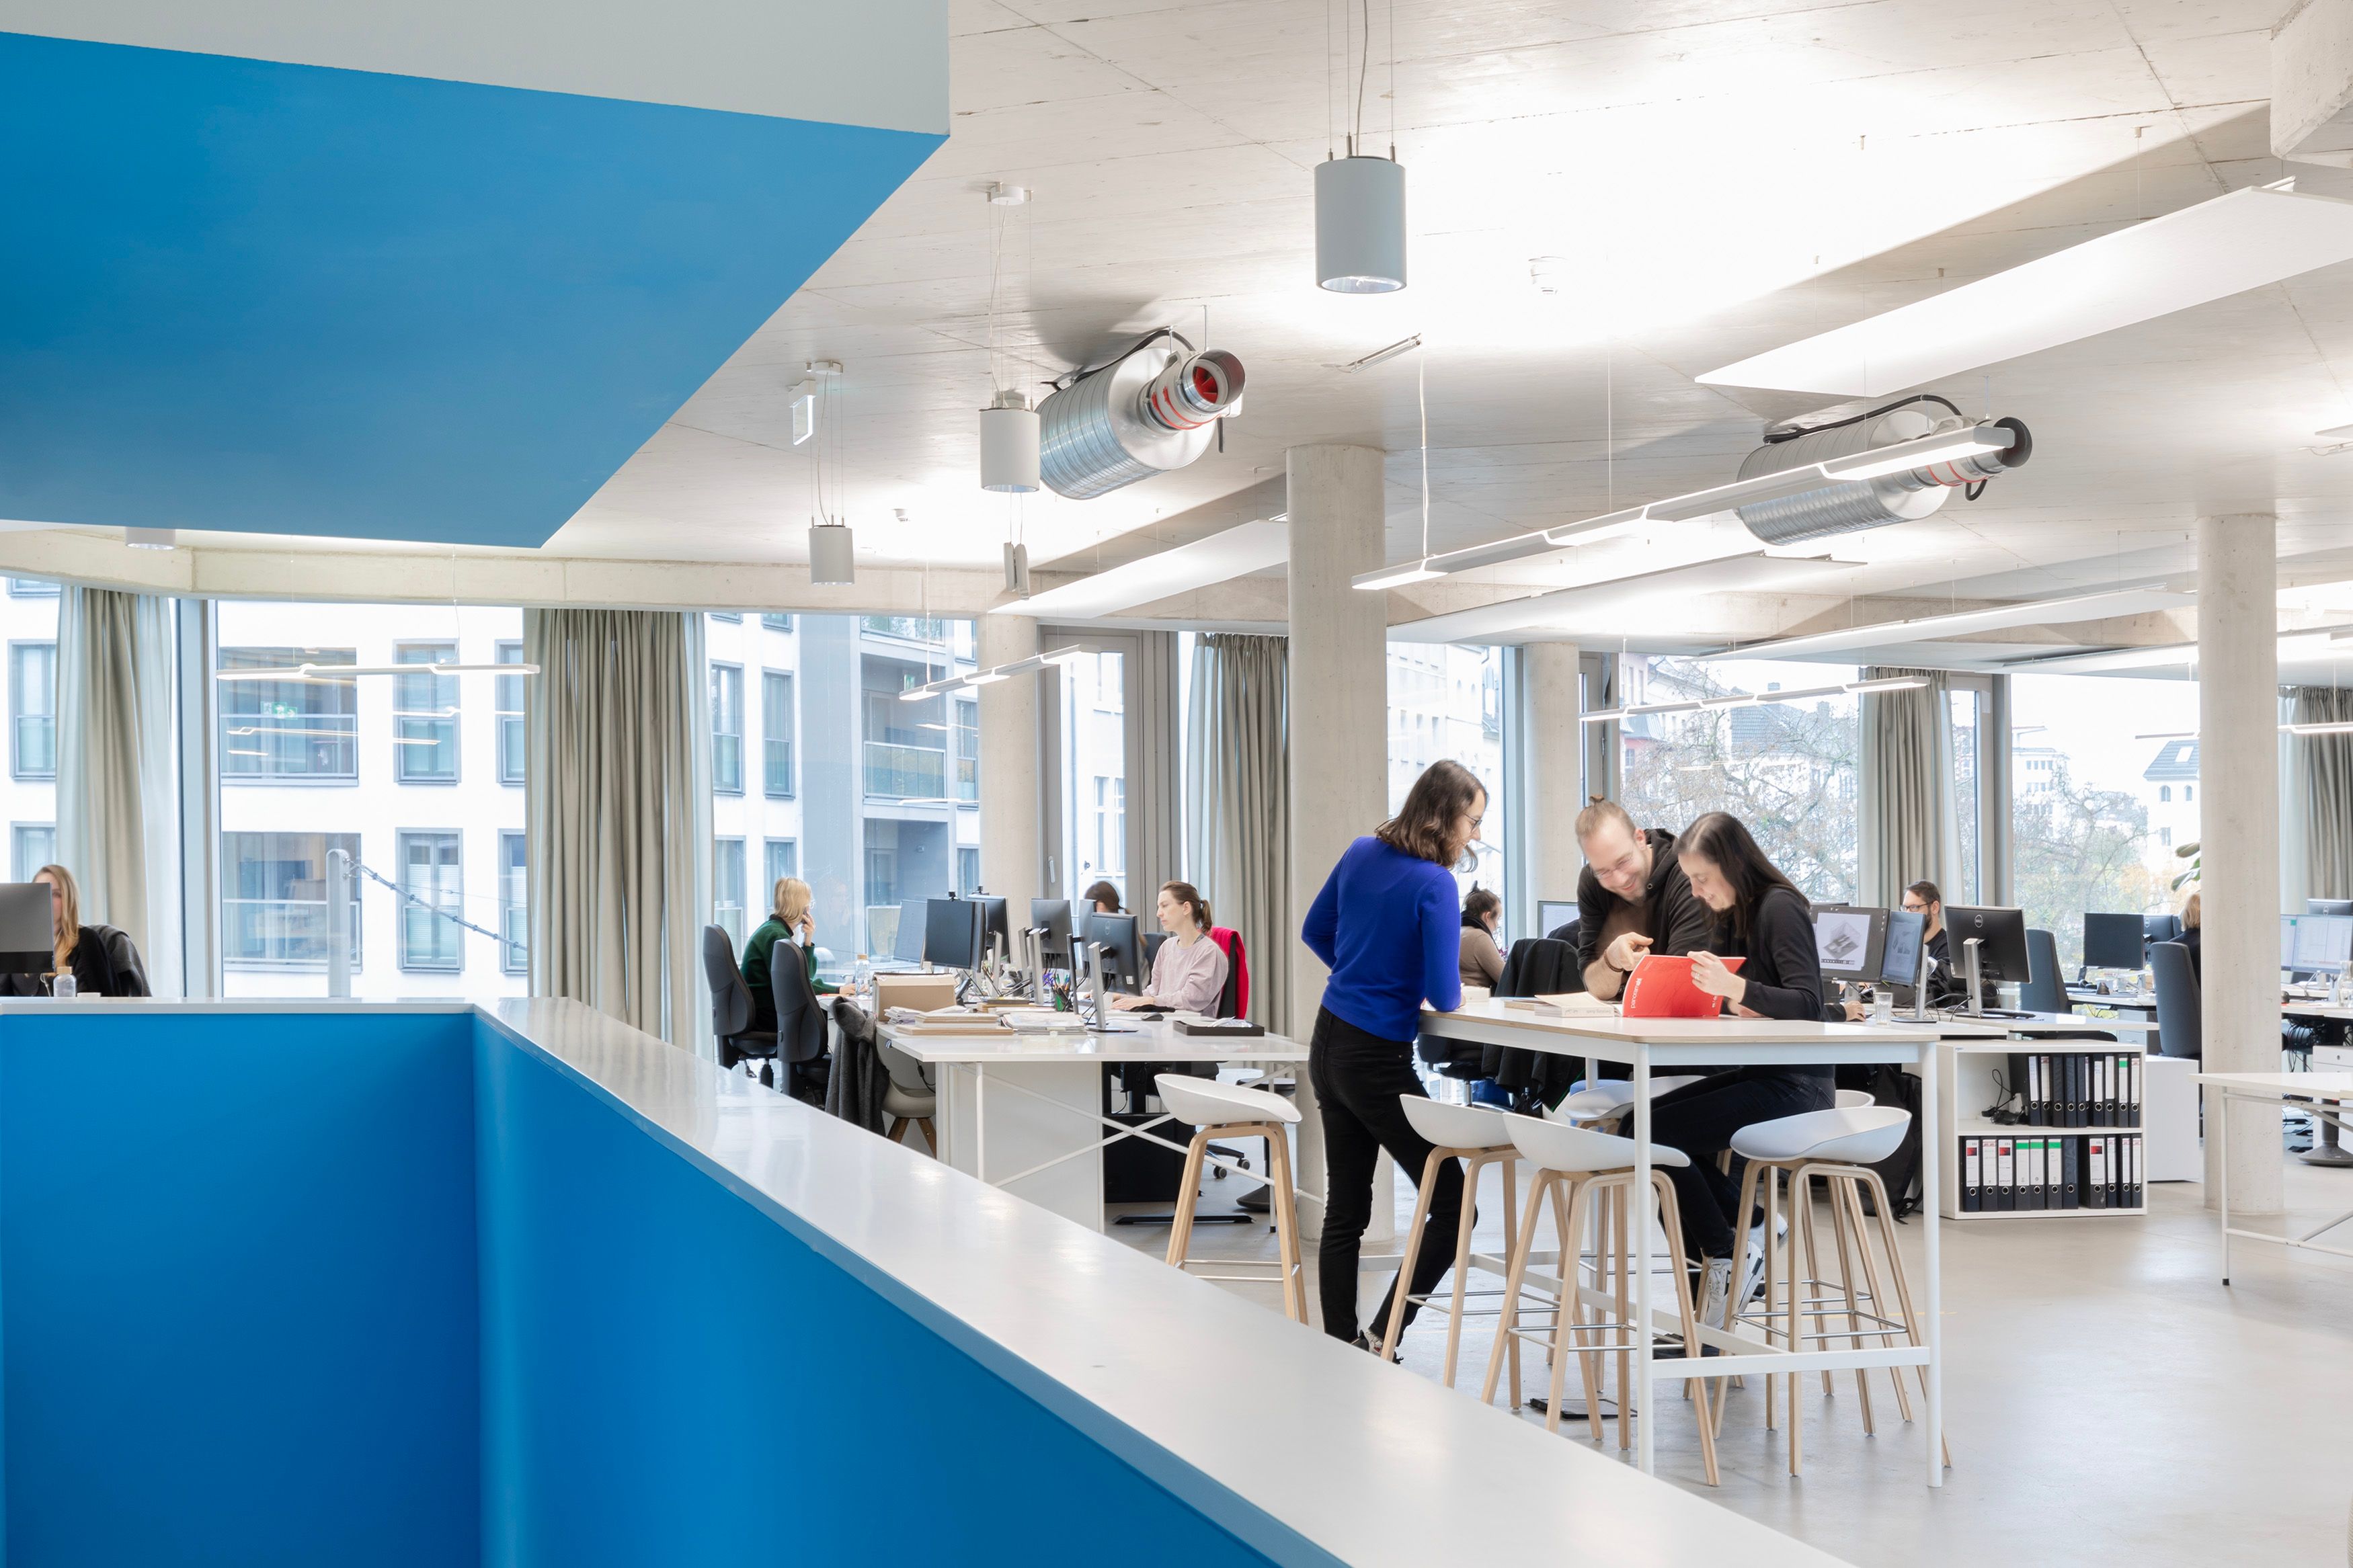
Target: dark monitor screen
(992,924)
(1123,955)
(2160,928)
(952,933)
(2114,941)
(27,928)
(1899,962)
(1552,914)
(909,946)
(1052,916)
(2000,936)
(1850,941)
(2328,906)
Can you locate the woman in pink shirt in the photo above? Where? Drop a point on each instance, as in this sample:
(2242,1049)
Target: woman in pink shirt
(1189,974)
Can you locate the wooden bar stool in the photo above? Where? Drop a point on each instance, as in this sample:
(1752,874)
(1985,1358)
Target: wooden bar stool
(1609,1099)
(1588,1173)
(1221,1110)
(1476,1135)
(1836,1147)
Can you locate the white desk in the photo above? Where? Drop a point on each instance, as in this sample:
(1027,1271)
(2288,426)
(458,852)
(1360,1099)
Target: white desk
(1645,1043)
(1024,1111)
(2323,1094)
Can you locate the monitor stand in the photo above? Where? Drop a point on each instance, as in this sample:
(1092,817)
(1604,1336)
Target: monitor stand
(1097,993)
(1969,969)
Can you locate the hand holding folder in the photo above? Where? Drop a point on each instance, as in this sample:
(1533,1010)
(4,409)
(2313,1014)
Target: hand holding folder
(1661,987)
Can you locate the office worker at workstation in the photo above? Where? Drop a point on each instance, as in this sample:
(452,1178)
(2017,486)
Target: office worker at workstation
(1762,917)
(1189,972)
(792,918)
(1103,898)
(1483,961)
(99,958)
(1631,898)
(2192,919)
(1386,925)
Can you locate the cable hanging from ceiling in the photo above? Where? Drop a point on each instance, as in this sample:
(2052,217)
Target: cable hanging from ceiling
(1360,229)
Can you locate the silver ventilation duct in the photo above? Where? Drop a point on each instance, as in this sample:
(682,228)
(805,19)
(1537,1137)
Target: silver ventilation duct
(1845,506)
(1149,411)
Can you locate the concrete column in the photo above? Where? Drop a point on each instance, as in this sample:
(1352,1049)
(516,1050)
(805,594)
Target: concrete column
(1555,772)
(1012,852)
(2238,831)
(1339,723)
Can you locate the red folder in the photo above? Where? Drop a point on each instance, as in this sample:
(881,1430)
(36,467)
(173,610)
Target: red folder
(1661,987)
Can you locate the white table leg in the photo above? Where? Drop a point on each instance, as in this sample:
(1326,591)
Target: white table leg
(1638,1220)
(980,1121)
(1931,1163)
(2221,1115)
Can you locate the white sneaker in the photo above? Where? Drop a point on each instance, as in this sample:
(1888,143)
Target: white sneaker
(1714,1294)
(1752,1269)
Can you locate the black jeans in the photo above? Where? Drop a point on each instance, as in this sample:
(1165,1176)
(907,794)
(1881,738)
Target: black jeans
(1357,1080)
(1700,1120)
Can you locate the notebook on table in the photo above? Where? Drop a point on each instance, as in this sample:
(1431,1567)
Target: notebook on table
(1660,987)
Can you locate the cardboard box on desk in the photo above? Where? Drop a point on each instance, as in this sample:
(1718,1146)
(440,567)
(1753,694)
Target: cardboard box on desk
(923,992)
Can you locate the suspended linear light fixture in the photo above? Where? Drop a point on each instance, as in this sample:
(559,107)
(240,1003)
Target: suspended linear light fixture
(1360,198)
(315,672)
(991,676)
(1758,698)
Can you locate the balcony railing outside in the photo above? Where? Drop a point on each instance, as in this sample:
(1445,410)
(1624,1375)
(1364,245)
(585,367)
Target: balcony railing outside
(906,629)
(281,934)
(290,745)
(905,773)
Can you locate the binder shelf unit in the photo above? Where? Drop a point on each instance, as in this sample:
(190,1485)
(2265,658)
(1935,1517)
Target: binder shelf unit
(2077,1154)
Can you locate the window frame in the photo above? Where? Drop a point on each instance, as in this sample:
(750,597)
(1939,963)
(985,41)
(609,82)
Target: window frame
(229,892)
(720,842)
(401,839)
(769,738)
(17,648)
(21,868)
(347,737)
(404,716)
(719,671)
(514,958)
(513,720)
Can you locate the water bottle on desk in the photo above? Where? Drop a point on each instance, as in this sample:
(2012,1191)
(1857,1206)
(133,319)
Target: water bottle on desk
(861,976)
(63,987)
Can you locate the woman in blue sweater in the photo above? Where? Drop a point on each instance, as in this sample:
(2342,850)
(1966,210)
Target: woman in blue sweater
(1386,925)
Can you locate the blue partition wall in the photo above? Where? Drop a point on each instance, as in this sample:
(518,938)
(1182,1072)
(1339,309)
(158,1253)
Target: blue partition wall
(361,1289)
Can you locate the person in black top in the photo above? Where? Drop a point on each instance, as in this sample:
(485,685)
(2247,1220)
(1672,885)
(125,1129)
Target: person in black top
(80,950)
(2192,931)
(1760,916)
(1631,896)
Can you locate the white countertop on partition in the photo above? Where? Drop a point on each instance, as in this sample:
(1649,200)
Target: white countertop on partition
(1142,1038)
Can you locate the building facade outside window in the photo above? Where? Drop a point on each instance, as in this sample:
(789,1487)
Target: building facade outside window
(289,727)
(776,726)
(31,846)
(515,913)
(432,873)
(727,887)
(727,725)
(509,699)
(33,709)
(779,858)
(274,900)
(1447,703)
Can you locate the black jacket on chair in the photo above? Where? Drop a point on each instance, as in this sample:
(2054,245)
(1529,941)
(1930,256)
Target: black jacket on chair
(1536,967)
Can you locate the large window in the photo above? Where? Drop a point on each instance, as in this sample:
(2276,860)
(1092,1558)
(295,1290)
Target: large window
(424,718)
(1094,771)
(779,858)
(967,749)
(33,709)
(1447,703)
(2104,776)
(293,726)
(432,875)
(727,727)
(777,733)
(1789,770)
(373,762)
(509,699)
(274,899)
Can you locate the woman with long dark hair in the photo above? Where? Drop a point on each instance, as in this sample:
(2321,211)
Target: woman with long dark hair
(1387,926)
(1762,917)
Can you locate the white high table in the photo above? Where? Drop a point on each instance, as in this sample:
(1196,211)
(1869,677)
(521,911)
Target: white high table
(1670,1043)
(1024,1111)
(2326,1095)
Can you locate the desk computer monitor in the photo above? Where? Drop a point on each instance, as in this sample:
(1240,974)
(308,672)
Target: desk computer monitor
(1123,958)
(908,948)
(2159,928)
(1850,942)
(993,925)
(952,933)
(2114,941)
(27,930)
(1899,959)
(1052,916)
(2000,938)
(1552,914)
(2328,906)
(2316,944)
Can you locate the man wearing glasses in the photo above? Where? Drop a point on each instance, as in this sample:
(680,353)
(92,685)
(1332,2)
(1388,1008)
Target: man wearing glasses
(1632,899)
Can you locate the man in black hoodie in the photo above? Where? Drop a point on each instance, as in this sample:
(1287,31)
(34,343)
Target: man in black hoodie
(1632,899)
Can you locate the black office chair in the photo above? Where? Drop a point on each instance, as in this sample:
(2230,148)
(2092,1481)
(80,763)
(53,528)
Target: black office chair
(2178,1028)
(129,969)
(800,1038)
(731,1007)
(2044,991)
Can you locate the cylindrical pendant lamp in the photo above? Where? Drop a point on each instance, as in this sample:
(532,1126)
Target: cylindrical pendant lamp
(1360,225)
(831,562)
(1009,445)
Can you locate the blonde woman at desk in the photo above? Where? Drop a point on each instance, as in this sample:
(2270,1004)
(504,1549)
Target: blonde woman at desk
(1188,973)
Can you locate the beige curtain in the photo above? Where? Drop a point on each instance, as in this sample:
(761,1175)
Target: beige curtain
(616,813)
(1910,826)
(118,799)
(2324,771)
(1237,804)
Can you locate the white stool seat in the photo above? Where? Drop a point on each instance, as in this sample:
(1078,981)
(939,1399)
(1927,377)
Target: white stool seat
(1456,1126)
(1852,1135)
(1206,1102)
(1612,1097)
(1558,1146)
(1848,1098)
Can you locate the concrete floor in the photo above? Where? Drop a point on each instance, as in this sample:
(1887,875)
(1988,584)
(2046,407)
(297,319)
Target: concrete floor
(2107,1400)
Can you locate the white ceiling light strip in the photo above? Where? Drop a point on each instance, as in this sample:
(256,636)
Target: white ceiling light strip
(994,673)
(1758,698)
(1236,552)
(1961,623)
(1751,570)
(2297,647)
(1923,451)
(334,672)
(2210,251)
